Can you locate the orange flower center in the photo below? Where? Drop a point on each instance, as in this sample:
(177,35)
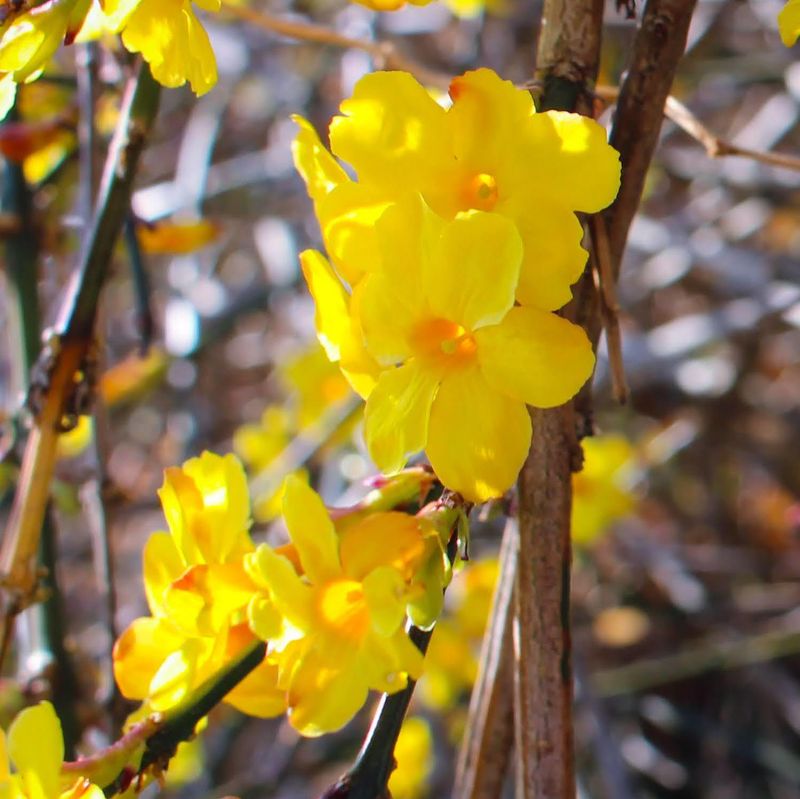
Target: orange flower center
(343,609)
(481,192)
(442,343)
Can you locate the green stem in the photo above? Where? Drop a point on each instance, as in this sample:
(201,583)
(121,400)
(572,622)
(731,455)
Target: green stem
(180,722)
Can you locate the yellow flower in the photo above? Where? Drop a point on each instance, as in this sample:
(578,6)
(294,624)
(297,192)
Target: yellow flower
(75,441)
(198,592)
(32,39)
(169,36)
(315,383)
(35,746)
(176,236)
(441,309)
(343,616)
(390,5)
(789,22)
(490,151)
(602,489)
(413,754)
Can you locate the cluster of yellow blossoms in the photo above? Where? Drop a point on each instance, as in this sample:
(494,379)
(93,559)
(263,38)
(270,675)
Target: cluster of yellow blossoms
(332,603)
(450,253)
(168,34)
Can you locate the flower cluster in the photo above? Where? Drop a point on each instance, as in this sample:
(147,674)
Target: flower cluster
(168,35)
(331,603)
(450,253)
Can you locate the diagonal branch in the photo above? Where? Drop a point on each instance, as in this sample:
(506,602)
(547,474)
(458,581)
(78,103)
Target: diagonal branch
(62,368)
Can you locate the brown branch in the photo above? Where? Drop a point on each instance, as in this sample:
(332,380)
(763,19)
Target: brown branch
(714,145)
(657,51)
(385,54)
(609,305)
(488,737)
(568,58)
(61,370)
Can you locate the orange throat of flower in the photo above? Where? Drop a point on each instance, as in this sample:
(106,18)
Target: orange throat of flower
(443,345)
(343,609)
(480,192)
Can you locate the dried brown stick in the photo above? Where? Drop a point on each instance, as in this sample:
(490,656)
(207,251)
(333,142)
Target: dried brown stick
(714,145)
(568,58)
(657,50)
(609,305)
(385,54)
(488,738)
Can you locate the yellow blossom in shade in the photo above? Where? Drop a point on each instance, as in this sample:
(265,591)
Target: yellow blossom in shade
(258,445)
(445,328)
(178,237)
(601,491)
(35,747)
(789,22)
(413,754)
(343,615)
(490,151)
(390,5)
(451,662)
(314,382)
(75,441)
(198,593)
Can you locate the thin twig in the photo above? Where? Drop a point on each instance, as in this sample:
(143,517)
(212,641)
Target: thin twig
(385,54)
(609,305)
(567,63)
(715,146)
(64,365)
(369,775)
(489,734)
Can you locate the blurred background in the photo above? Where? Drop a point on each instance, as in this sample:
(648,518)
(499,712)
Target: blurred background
(687,575)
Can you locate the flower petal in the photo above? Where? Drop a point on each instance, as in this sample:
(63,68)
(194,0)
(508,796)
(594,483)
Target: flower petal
(573,165)
(391,130)
(36,747)
(553,259)
(384,593)
(162,564)
(318,168)
(789,22)
(535,356)
(139,653)
(475,270)
(478,439)
(337,331)
(291,596)
(397,413)
(311,531)
(323,698)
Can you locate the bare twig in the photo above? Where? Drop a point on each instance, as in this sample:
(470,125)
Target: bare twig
(63,365)
(489,734)
(385,54)
(714,145)
(609,305)
(568,58)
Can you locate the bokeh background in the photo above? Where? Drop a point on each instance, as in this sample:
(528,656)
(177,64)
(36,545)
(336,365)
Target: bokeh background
(687,575)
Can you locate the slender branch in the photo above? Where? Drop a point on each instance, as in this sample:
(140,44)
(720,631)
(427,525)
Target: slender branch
(609,305)
(568,58)
(369,775)
(489,734)
(167,730)
(63,365)
(699,659)
(657,50)
(385,54)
